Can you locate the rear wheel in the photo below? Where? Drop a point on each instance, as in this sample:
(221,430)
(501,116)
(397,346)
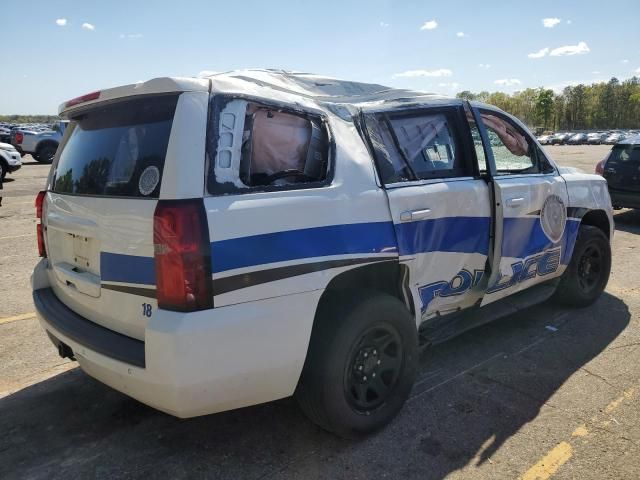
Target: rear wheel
(361,364)
(587,274)
(46,153)
(3,170)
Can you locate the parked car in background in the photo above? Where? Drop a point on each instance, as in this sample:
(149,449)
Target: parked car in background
(577,139)
(595,138)
(5,134)
(559,138)
(545,139)
(40,144)
(614,138)
(621,170)
(10,159)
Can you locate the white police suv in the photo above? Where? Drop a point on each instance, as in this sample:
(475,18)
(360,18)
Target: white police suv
(213,243)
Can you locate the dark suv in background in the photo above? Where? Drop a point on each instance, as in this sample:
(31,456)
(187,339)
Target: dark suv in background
(621,169)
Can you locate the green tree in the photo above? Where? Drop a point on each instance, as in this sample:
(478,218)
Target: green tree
(544,106)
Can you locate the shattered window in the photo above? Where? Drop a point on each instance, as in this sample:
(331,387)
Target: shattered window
(414,145)
(259,145)
(511,148)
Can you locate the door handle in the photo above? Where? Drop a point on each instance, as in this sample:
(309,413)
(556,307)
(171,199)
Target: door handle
(413,215)
(515,202)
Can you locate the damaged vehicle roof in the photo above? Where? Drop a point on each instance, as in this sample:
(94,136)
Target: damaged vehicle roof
(307,88)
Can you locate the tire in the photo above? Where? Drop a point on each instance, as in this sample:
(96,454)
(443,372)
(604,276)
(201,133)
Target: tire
(361,364)
(587,274)
(3,170)
(46,153)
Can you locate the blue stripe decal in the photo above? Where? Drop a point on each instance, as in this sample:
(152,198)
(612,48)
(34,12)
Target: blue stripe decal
(376,237)
(115,267)
(523,237)
(449,234)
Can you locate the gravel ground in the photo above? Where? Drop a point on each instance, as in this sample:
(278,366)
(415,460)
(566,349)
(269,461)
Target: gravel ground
(545,392)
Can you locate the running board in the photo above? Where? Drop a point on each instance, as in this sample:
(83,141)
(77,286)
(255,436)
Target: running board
(439,329)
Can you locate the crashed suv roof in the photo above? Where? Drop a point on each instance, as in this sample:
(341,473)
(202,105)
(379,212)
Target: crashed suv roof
(320,89)
(302,88)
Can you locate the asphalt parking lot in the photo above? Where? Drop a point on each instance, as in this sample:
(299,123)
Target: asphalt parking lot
(548,392)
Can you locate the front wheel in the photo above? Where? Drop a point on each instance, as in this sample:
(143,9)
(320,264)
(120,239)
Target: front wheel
(361,363)
(588,272)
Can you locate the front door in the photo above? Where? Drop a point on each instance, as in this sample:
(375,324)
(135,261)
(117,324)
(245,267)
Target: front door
(440,206)
(533,239)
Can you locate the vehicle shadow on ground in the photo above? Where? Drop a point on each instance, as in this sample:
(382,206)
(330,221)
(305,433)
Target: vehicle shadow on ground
(473,394)
(627,221)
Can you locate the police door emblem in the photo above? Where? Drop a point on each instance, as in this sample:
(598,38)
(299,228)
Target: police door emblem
(553,217)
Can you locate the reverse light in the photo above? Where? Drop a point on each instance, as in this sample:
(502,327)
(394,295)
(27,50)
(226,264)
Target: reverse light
(42,251)
(83,98)
(182,256)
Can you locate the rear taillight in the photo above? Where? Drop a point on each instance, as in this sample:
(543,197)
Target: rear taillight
(42,251)
(182,256)
(84,98)
(19,137)
(600,167)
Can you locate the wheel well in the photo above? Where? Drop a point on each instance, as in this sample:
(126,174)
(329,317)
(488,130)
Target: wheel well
(45,143)
(599,219)
(388,277)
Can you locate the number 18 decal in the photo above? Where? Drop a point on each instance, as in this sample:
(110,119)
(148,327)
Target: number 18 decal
(146,309)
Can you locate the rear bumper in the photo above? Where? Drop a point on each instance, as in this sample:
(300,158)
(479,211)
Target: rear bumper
(624,199)
(196,363)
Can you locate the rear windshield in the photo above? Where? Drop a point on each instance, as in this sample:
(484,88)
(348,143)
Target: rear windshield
(117,150)
(624,154)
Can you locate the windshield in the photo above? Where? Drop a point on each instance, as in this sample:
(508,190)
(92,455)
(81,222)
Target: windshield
(117,150)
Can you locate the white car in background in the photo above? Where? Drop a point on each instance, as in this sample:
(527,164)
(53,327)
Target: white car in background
(10,159)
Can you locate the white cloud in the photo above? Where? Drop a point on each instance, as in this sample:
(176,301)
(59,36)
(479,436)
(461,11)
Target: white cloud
(384,24)
(430,25)
(508,82)
(637,70)
(131,35)
(61,22)
(484,66)
(624,60)
(596,72)
(569,22)
(550,22)
(580,49)
(88,26)
(461,35)
(539,54)
(441,72)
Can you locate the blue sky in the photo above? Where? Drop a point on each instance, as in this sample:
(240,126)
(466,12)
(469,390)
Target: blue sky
(57,49)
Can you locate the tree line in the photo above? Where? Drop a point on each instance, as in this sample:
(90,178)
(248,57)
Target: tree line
(605,105)
(29,118)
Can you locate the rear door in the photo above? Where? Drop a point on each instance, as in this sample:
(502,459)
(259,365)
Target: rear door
(622,169)
(440,206)
(103,191)
(533,238)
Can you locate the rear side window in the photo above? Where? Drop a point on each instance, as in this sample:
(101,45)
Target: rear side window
(117,150)
(625,154)
(257,146)
(417,145)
